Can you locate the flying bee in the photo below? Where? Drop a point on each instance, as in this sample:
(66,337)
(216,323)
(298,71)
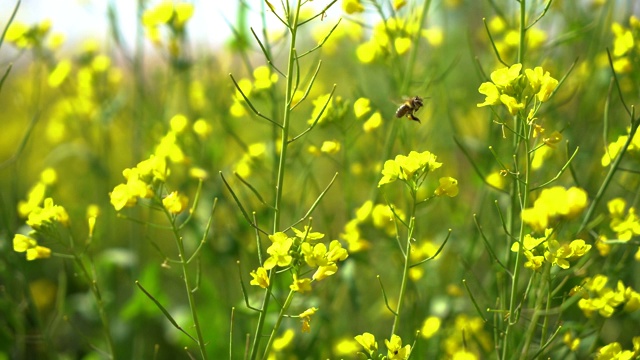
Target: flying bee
(409,108)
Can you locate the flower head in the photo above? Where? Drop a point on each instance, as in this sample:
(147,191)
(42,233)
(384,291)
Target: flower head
(395,350)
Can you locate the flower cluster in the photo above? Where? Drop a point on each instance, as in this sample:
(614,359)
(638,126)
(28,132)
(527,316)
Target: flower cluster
(625,226)
(598,297)
(625,47)
(295,252)
(613,149)
(395,350)
(263,79)
(43,221)
(381,216)
(410,169)
(538,250)
(506,39)
(139,182)
(255,153)
(22,243)
(614,351)
(456,345)
(144,180)
(514,90)
(37,193)
(173,16)
(554,202)
(392,35)
(24,36)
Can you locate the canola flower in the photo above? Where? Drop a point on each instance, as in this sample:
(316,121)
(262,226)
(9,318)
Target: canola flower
(554,203)
(599,298)
(514,90)
(625,49)
(539,250)
(296,251)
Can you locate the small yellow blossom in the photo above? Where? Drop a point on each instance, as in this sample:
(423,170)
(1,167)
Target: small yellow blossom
(352,6)
(402,45)
(175,203)
(373,122)
(279,251)
(430,327)
(178,123)
(260,277)
(395,350)
(325,271)
(361,107)
(330,147)
(300,285)
(368,342)
(448,186)
(306,319)
(47,215)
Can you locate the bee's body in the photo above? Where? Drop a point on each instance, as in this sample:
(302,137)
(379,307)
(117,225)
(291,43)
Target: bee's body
(409,108)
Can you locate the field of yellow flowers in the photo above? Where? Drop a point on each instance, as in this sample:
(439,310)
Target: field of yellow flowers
(343,179)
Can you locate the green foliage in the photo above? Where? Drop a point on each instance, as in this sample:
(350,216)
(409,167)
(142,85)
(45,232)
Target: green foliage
(274,200)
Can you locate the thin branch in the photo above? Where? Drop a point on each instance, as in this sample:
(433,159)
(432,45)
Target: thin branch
(437,252)
(315,122)
(164,311)
(246,99)
(311,82)
(315,203)
(244,212)
(266,53)
(321,42)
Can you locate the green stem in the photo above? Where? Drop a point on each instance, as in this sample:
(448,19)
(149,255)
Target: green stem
(293,27)
(95,290)
(187,284)
(276,326)
(405,271)
(519,193)
(286,120)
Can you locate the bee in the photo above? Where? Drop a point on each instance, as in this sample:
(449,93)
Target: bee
(409,108)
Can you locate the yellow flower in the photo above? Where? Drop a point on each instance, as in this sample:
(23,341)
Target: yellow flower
(38,252)
(279,251)
(572,342)
(511,103)
(300,285)
(325,271)
(395,350)
(264,78)
(491,92)
(623,42)
(330,147)
(448,186)
(352,6)
(175,203)
(361,107)
(284,340)
(373,122)
(390,172)
(402,45)
(368,342)
(202,128)
(47,215)
(59,73)
(260,278)
(434,36)
(34,199)
(178,123)
(22,243)
(505,77)
(430,327)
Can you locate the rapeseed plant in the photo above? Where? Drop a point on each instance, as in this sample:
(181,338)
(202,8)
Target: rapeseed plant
(356,240)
